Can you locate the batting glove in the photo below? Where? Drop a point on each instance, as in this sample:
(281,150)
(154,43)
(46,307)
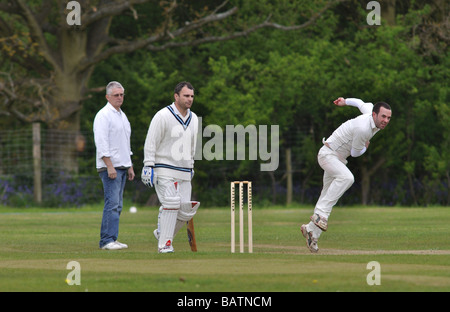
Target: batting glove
(148,176)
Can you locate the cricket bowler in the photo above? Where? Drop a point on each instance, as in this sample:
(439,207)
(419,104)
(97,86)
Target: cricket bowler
(352,138)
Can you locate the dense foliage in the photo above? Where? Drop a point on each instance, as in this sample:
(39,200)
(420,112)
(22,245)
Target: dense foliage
(274,77)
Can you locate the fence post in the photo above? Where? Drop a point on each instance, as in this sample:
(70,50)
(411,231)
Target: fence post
(37,162)
(289,176)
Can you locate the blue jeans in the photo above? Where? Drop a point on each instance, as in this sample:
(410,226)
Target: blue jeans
(113,193)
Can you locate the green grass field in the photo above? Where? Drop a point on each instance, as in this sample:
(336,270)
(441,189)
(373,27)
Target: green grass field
(412,246)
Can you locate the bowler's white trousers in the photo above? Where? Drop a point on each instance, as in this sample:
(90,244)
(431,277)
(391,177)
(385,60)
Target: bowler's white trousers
(337,179)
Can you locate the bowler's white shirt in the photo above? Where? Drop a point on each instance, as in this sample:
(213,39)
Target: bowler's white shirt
(354,133)
(112,132)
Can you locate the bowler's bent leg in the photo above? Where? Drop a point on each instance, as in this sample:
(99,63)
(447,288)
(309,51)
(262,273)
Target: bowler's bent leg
(337,179)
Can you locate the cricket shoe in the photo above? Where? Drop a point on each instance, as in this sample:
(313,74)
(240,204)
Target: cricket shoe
(320,222)
(168,248)
(311,242)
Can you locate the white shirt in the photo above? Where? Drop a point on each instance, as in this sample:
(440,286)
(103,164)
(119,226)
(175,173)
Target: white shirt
(170,143)
(112,132)
(354,133)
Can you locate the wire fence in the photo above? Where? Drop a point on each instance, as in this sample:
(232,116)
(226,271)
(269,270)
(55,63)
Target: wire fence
(63,167)
(68,177)
(67,173)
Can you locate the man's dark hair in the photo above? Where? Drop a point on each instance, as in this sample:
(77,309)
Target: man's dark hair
(181,85)
(376,107)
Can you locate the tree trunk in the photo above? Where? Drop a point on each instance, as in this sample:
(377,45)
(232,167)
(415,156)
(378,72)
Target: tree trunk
(274,186)
(366,174)
(365,185)
(64,120)
(388,11)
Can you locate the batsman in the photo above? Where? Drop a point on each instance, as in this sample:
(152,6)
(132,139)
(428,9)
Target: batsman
(169,166)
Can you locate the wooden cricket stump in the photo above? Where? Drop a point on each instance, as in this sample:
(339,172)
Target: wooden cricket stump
(241,215)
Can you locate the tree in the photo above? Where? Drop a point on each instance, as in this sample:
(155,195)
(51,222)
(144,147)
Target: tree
(294,89)
(59,58)
(50,62)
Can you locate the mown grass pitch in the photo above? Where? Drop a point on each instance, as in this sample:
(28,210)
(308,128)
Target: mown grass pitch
(412,246)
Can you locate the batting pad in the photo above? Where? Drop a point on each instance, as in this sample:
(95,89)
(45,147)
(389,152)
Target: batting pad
(179,224)
(168,194)
(167,223)
(188,210)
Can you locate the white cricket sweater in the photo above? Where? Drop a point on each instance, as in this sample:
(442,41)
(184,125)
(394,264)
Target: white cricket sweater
(354,133)
(170,143)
